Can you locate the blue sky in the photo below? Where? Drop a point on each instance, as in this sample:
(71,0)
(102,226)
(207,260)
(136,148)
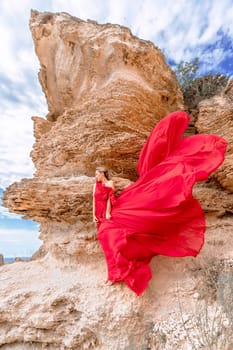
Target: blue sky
(182,29)
(17,237)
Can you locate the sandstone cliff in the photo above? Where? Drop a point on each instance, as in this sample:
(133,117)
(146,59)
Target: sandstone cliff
(105,89)
(215,115)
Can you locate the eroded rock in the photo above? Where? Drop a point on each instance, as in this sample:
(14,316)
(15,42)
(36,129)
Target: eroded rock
(216,116)
(105,89)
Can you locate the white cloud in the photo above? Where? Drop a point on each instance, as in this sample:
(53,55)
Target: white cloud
(180,28)
(216,55)
(90,9)
(4,214)
(16,139)
(219,16)
(18,242)
(15,38)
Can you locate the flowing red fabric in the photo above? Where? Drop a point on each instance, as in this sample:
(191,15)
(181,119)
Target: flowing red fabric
(158,214)
(102,193)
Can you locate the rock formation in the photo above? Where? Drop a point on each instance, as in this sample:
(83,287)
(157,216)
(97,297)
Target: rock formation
(105,89)
(1,260)
(215,116)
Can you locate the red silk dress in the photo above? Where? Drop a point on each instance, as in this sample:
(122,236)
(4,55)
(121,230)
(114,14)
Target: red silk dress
(158,214)
(102,194)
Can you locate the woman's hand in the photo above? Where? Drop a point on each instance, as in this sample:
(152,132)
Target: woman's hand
(95,219)
(108,216)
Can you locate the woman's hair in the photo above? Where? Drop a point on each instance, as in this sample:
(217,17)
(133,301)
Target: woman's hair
(104,170)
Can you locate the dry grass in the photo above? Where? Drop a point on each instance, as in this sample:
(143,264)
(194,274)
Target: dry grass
(212,318)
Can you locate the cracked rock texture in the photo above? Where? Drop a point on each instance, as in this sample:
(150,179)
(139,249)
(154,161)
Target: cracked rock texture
(216,116)
(105,89)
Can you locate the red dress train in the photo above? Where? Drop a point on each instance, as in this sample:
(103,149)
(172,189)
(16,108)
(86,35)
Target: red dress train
(158,214)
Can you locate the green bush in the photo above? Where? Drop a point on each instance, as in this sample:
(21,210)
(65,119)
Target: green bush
(197,88)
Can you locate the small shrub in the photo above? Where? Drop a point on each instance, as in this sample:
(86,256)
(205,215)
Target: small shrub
(197,88)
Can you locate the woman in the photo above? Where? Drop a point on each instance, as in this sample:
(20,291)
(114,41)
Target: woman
(158,213)
(103,192)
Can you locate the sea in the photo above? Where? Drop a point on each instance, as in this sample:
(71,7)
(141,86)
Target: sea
(8,260)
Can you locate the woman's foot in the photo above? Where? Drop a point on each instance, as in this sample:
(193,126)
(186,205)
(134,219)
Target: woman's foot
(109,283)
